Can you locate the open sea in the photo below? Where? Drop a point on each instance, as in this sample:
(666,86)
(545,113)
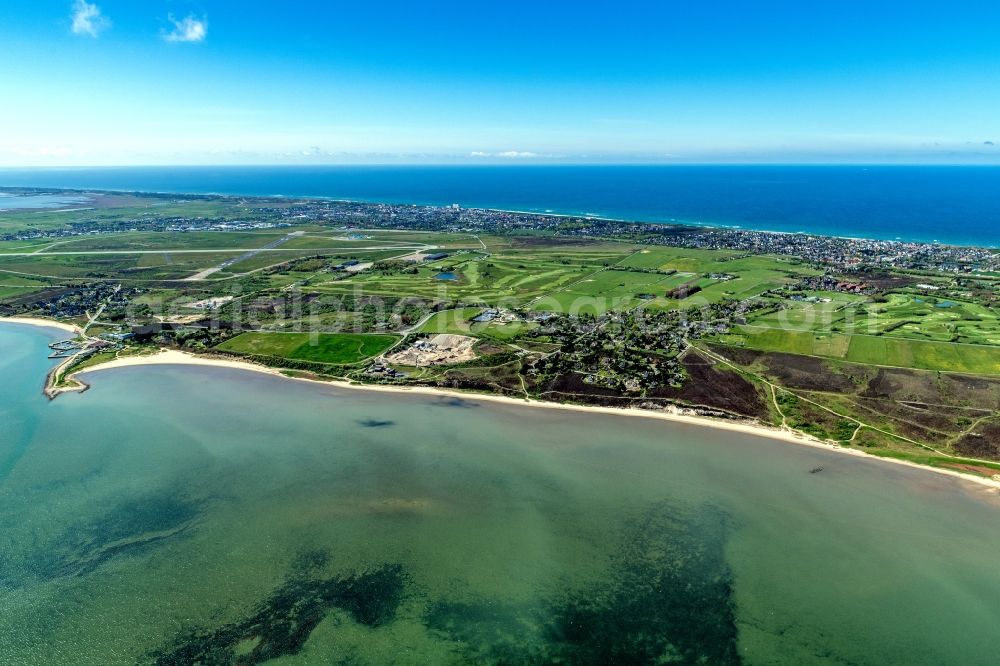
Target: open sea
(957,205)
(179,515)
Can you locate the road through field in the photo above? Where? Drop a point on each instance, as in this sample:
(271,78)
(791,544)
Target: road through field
(217,251)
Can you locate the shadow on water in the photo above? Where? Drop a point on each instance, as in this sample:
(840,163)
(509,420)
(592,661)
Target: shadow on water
(460,403)
(667,598)
(130,529)
(20,432)
(376,423)
(281,624)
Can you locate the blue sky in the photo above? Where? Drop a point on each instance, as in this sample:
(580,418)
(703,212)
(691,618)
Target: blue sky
(218,82)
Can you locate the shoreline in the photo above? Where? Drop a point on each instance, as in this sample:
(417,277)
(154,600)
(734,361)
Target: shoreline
(39,322)
(718,225)
(175,357)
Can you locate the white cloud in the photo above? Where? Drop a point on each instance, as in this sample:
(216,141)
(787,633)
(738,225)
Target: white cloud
(509,154)
(188,29)
(43,151)
(316,151)
(88,20)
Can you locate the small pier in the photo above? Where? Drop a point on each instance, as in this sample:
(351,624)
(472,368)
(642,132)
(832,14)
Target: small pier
(70,352)
(66,348)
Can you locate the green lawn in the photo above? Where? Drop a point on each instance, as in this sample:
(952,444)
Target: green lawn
(675,258)
(504,279)
(459,322)
(915,317)
(453,322)
(870,349)
(333,348)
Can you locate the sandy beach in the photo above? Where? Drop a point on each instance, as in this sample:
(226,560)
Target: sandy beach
(175,357)
(44,323)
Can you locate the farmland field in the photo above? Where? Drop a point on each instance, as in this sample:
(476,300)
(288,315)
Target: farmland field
(332,348)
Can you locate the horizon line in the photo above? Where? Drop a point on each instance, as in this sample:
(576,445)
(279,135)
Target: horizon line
(223,165)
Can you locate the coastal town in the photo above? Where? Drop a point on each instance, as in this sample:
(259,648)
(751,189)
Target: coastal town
(842,253)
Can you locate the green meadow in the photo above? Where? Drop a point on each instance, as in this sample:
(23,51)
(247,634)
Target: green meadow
(905,315)
(459,322)
(331,348)
(872,349)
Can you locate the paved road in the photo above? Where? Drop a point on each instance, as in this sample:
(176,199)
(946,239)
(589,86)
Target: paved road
(223,250)
(201,275)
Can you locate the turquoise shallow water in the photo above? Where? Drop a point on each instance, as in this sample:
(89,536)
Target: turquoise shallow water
(177,513)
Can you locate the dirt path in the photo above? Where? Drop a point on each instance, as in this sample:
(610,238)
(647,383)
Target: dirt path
(720,359)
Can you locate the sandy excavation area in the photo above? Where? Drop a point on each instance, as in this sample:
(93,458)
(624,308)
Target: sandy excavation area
(437,350)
